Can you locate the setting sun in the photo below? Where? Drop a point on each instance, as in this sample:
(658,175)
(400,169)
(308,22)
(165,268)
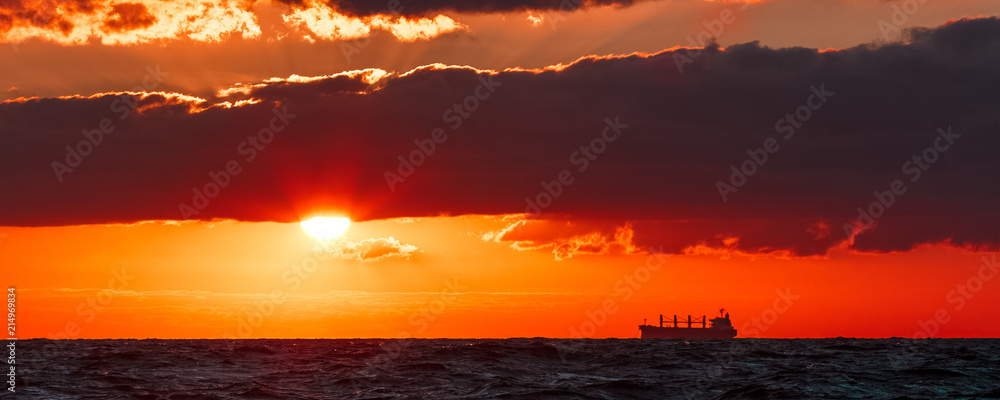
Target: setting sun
(326,228)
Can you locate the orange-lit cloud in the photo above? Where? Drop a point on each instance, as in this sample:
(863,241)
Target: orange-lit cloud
(358,81)
(566,239)
(193,279)
(142,21)
(318,21)
(117,23)
(683,136)
(126,22)
(369,250)
(127,16)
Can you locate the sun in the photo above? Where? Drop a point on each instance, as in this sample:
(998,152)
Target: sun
(326,228)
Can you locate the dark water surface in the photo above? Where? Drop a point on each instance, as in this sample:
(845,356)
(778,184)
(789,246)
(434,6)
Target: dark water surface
(534,368)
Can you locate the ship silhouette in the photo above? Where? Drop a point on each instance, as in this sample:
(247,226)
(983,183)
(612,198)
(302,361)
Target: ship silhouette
(720,328)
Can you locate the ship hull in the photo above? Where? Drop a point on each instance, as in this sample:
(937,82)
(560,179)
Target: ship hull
(656,332)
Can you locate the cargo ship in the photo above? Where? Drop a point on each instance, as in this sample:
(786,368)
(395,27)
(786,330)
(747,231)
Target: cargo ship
(720,328)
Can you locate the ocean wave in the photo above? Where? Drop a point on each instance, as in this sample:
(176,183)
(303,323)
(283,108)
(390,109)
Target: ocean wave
(531,368)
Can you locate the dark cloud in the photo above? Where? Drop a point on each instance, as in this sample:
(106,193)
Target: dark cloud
(129,16)
(64,21)
(426,8)
(684,131)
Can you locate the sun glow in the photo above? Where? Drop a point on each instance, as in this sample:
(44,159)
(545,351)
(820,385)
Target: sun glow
(326,228)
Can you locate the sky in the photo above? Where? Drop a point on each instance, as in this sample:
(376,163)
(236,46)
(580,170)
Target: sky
(510,168)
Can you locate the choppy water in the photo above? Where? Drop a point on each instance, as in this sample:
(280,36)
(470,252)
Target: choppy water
(534,368)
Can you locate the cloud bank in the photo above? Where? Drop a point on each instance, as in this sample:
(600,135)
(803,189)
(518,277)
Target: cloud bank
(654,139)
(113,22)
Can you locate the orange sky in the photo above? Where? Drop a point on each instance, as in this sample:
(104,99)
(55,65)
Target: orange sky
(201,280)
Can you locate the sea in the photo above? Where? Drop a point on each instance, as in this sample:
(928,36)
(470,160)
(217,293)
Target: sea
(527,368)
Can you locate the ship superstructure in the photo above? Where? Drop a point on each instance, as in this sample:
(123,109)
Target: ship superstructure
(719,328)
